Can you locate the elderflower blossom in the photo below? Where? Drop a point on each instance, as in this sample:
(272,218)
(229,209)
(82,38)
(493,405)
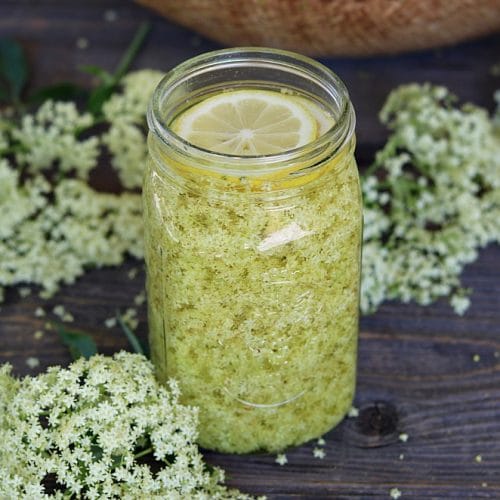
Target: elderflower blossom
(86,427)
(51,134)
(319,453)
(55,233)
(50,232)
(128,150)
(435,202)
(131,104)
(9,387)
(395,493)
(126,113)
(26,199)
(353,412)
(129,317)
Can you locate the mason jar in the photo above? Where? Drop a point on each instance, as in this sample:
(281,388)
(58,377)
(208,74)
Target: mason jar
(253,262)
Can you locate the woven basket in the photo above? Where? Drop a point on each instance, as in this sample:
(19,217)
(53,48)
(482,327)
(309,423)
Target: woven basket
(335,27)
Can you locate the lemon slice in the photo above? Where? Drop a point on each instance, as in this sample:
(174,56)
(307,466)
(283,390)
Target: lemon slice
(324,120)
(247,123)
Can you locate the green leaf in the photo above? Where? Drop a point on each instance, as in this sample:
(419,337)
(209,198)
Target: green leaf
(64,91)
(13,67)
(80,344)
(132,338)
(109,81)
(105,77)
(98,97)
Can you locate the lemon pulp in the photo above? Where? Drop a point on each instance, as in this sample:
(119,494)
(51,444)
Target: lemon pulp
(248,123)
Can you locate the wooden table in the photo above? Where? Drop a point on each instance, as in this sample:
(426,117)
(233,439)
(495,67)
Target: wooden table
(417,370)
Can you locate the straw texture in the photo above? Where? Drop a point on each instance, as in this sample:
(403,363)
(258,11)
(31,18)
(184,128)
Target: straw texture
(335,27)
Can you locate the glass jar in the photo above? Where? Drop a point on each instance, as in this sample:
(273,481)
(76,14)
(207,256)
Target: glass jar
(253,262)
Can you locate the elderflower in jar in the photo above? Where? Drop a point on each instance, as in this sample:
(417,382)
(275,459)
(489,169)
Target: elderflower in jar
(253,219)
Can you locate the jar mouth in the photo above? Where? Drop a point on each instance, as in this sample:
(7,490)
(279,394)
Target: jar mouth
(176,88)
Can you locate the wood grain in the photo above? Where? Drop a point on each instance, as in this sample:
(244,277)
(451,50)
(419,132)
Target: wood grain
(417,373)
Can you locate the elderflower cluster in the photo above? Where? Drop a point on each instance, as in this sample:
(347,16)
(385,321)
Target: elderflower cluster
(433,199)
(56,231)
(126,112)
(52,135)
(82,431)
(53,225)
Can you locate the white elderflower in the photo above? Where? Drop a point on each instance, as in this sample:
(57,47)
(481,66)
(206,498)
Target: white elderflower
(319,453)
(68,318)
(460,304)
(32,362)
(51,135)
(127,145)
(38,334)
(131,103)
(62,314)
(24,292)
(87,426)
(57,232)
(110,15)
(440,172)
(59,310)
(403,437)
(281,459)
(140,298)
(8,387)
(132,273)
(126,112)
(353,412)
(26,199)
(110,322)
(82,43)
(129,317)
(395,493)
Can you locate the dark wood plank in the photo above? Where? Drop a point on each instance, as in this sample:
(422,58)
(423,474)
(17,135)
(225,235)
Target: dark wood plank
(417,373)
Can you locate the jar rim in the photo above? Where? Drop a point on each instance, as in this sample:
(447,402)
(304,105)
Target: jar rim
(331,140)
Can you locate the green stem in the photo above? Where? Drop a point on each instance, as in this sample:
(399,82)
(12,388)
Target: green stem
(143,453)
(12,150)
(131,51)
(134,341)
